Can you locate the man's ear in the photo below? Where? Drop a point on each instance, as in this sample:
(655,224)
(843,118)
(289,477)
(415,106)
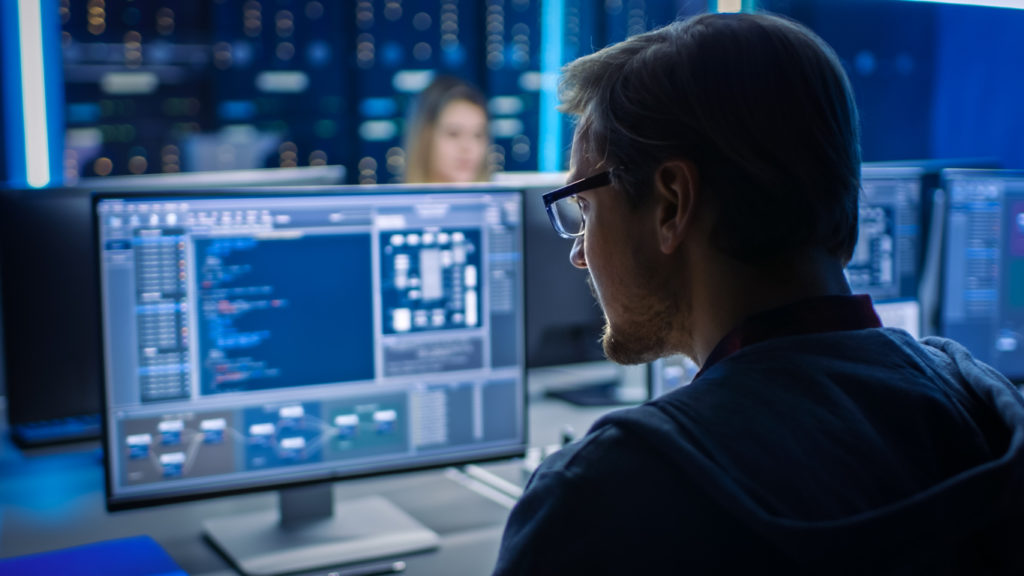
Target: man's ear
(676,188)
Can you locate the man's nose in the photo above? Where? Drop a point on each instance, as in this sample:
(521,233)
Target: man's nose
(576,255)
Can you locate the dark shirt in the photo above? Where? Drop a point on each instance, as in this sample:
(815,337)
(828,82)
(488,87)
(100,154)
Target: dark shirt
(812,441)
(824,314)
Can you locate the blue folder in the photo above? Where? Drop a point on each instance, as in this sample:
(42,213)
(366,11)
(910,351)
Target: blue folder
(135,556)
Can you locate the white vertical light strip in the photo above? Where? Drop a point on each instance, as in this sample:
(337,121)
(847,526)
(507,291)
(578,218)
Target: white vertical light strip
(729,6)
(33,93)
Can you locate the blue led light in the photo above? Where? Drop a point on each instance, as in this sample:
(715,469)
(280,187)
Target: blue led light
(550,137)
(454,56)
(236,110)
(83,112)
(318,53)
(378,108)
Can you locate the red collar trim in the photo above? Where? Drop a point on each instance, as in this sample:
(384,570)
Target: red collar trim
(811,316)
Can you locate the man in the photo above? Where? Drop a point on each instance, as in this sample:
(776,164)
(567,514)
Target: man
(716,163)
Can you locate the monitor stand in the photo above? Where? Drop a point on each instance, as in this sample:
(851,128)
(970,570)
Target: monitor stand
(600,383)
(310,530)
(55,430)
(597,394)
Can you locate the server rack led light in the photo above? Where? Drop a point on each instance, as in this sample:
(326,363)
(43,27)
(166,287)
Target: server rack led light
(550,145)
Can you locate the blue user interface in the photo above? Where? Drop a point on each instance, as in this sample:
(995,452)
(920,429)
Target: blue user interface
(983,286)
(887,259)
(261,339)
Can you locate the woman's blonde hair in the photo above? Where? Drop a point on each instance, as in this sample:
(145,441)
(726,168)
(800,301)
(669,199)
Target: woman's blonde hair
(422,123)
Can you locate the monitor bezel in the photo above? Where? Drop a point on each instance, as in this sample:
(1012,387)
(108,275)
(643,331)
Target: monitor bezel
(874,171)
(322,175)
(118,502)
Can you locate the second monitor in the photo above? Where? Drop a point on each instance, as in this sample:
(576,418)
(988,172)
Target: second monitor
(258,340)
(983,266)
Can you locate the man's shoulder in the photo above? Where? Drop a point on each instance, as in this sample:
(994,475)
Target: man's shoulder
(872,354)
(617,503)
(812,353)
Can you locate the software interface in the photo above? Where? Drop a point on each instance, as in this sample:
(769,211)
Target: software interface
(983,289)
(250,340)
(885,260)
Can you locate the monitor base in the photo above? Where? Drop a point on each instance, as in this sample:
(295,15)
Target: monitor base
(599,394)
(260,544)
(56,430)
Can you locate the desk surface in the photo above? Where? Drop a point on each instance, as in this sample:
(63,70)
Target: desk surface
(53,498)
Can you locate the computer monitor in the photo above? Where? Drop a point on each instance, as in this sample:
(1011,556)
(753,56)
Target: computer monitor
(932,226)
(667,374)
(325,175)
(49,294)
(260,340)
(48,297)
(886,262)
(983,266)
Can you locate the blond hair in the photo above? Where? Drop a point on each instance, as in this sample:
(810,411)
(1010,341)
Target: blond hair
(422,123)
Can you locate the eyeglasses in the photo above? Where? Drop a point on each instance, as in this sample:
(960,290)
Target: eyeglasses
(564,208)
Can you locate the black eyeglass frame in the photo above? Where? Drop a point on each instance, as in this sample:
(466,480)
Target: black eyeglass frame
(589,183)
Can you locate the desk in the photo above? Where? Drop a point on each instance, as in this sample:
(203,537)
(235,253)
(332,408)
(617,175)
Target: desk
(54,498)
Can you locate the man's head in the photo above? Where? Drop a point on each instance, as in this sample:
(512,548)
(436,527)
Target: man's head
(753,114)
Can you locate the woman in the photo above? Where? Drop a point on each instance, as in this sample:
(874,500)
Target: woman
(448,137)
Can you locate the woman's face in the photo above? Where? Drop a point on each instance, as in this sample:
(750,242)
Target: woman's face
(460,143)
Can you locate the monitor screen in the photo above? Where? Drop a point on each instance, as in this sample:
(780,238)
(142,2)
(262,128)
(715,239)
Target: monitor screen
(983,266)
(564,321)
(668,373)
(252,340)
(886,262)
(932,224)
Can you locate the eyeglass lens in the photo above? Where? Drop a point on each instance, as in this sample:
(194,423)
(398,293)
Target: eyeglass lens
(569,216)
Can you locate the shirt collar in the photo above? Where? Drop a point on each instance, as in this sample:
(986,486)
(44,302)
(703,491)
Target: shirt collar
(811,316)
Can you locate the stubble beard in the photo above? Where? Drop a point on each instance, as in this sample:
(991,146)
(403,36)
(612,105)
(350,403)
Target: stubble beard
(646,334)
